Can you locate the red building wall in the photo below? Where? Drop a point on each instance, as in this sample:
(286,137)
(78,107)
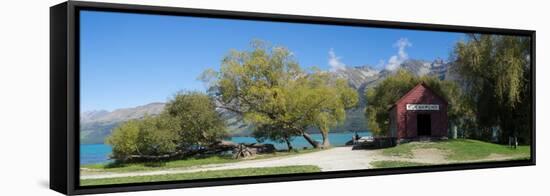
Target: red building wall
(406,119)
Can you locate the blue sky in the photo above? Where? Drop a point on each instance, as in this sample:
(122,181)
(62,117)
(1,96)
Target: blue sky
(129,60)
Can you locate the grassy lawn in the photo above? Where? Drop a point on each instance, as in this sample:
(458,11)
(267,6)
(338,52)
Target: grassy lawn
(189,162)
(460,149)
(150,166)
(203,175)
(390,164)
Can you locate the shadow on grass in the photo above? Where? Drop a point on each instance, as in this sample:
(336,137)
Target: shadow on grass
(115,164)
(120,164)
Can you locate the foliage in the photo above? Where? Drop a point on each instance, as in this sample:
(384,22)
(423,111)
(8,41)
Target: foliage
(267,88)
(148,136)
(195,119)
(496,74)
(326,102)
(188,120)
(381,97)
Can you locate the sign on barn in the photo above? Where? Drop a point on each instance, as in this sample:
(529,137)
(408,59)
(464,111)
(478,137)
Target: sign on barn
(422,107)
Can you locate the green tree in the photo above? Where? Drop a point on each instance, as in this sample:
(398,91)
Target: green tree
(156,136)
(267,88)
(123,140)
(381,97)
(273,132)
(195,119)
(150,136)
(325,100)
(189,120)
(495,72)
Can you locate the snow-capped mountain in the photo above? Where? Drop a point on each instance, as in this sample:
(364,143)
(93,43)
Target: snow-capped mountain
(360,77)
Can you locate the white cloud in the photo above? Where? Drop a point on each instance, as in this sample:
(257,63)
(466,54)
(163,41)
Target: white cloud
(381,63)
(401,56)
(334,61)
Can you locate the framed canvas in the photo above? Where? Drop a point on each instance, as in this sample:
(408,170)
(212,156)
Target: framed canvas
(146,97)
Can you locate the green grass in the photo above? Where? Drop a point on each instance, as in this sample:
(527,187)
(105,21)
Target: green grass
(460,149)
(184,163)
(403,150)
(204,175)
(392,164)
(150,166)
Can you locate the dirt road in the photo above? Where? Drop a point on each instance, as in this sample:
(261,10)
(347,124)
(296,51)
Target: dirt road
(334,159)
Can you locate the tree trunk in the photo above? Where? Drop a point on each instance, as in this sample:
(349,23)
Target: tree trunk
(156,157)
(242,151)
(310,140)
(326,142)
(288,144)
(454,131)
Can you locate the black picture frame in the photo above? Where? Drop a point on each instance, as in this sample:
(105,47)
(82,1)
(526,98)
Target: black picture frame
(64,95)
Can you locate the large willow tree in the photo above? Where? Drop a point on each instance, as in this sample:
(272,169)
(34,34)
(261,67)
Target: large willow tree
(320,100)
(267,88)
(495,71)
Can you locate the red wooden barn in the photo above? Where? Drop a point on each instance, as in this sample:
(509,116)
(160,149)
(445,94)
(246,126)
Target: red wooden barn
(419,113)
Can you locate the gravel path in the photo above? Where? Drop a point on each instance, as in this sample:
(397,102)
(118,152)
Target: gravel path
(334,159)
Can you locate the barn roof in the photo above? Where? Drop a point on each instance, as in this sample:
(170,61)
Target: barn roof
(416,87)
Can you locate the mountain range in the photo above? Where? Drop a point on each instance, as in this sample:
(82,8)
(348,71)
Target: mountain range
(95,126)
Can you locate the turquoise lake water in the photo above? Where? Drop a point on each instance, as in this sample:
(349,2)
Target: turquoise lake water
(99,153)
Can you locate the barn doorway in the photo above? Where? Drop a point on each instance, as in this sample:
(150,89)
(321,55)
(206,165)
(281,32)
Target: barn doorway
(424,124)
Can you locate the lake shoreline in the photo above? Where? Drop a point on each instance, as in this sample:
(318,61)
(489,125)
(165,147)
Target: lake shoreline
(342,159)
(99,153)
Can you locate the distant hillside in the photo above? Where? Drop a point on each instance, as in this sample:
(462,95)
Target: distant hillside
(96,125)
